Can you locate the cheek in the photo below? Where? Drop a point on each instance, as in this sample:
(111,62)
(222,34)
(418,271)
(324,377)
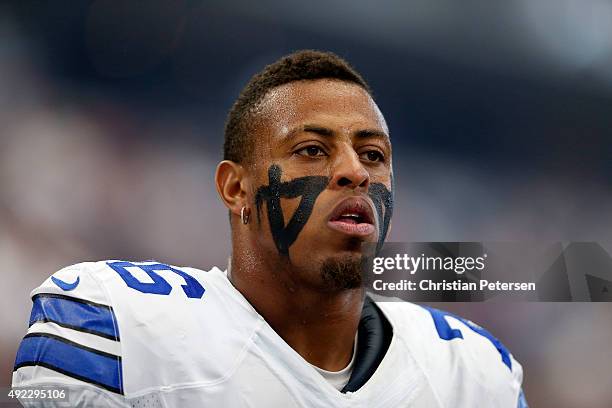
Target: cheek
(310,242)
(289,205)
(381,176)
(315,229)
(295,168)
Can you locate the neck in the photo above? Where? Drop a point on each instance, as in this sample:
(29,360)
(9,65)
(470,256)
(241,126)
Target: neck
(320,325)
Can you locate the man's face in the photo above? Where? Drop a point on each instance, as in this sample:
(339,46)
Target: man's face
(322,176)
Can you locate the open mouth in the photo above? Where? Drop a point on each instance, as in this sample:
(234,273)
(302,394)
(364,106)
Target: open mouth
(353,216)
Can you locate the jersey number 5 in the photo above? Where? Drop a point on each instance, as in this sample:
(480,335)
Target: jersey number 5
(159,286)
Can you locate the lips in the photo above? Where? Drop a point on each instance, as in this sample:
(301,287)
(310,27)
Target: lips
(353,216)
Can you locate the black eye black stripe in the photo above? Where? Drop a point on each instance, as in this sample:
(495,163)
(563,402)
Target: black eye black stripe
(308,188)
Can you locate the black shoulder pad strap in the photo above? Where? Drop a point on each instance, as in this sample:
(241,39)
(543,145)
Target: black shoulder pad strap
(375,333)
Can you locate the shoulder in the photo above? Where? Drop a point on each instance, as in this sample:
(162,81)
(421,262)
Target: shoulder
(94,280)
(107,298)
(107,291)
(443,343)
(88,319)
(73,336)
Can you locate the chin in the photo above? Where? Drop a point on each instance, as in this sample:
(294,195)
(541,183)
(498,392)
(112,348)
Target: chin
(352,245)
(343,271)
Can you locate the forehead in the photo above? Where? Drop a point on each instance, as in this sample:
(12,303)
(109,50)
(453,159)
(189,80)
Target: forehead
(340,105)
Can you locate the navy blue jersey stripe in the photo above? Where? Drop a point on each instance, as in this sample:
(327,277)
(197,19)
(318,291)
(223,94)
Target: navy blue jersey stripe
(74,299)
(71,359)
(84,316)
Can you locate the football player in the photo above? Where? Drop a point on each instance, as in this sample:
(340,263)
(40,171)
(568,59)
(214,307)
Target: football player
(307,178)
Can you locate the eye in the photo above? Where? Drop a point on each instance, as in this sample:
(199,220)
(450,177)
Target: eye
(373,156)
(311,151)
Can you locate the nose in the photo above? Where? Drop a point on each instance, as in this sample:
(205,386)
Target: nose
(348,171)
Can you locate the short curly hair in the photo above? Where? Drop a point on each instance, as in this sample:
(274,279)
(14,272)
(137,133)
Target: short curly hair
(300,65)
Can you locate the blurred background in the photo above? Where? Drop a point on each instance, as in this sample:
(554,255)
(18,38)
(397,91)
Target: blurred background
(111,125)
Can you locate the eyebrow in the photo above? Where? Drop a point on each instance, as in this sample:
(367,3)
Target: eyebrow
(372,133)
(320,130)
(327,132)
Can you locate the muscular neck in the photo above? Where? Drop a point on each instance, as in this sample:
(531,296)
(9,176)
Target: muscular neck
(319,325)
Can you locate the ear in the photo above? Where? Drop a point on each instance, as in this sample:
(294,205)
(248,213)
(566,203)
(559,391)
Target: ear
(231,185)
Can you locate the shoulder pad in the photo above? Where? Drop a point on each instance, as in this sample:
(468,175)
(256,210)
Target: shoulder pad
(445,343)
(73,336)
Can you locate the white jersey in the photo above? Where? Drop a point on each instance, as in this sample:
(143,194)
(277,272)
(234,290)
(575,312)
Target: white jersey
(144,334)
